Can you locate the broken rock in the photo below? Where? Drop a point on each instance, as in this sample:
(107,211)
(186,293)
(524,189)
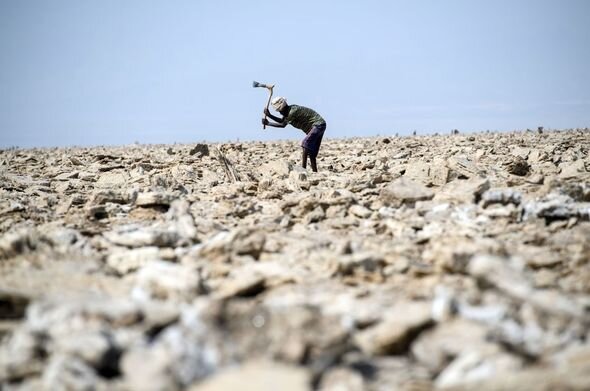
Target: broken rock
(403,190)
(262,376)
(398,328)
(167,281)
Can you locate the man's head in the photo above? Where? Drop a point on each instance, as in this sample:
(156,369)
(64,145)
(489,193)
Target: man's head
(279,103)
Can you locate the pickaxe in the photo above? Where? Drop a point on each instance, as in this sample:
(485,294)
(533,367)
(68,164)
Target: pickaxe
(269,87)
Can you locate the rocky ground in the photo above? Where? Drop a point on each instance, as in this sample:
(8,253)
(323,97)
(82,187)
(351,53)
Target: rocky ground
(407,263)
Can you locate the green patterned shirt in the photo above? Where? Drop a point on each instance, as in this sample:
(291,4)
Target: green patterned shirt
(303,118)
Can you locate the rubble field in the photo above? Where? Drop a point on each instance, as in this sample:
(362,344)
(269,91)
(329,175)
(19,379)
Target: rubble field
(453,262)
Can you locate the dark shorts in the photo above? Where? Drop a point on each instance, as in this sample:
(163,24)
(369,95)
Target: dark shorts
(313,140)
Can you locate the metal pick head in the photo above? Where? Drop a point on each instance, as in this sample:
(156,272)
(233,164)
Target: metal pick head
(255,84)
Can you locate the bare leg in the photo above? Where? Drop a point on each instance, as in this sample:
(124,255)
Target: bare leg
(304,158)
(314,166)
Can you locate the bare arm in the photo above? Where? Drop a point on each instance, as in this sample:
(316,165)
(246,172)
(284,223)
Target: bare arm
(274,118)
(279,124)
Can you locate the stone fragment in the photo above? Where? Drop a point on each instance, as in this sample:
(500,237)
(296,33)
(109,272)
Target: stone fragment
(66,176)
(419,172)
(75,161)
(517,166)
(277,168)
(298,174)
(536,179)
(499,273)
(439,172)
(463,191)
(462,167)
(12,208)
(101,197)
(394,373)
(263,376)
(546,279)
(14,243)
(399,327)
(60,318)
(403,190)
(154,199)
(112,180)
(315,215)
(501,196)
(19,358)
(579,192)
(555,207)
(95,349)
(12,304)
(147,370)
(184,223)
(66,373)
(437,347)
(200,149)
(238,242)
(160,280)
(444,304)
(572,169)
(537,257)
(361,265)
(435,173)
(453,254)
(360,211)
(521,152)
(244,285)
(126,261)
(473,366)
(298,179)
(97,212)
(135,236)
(490,314)
(214,335)
(342,379)
(542,379)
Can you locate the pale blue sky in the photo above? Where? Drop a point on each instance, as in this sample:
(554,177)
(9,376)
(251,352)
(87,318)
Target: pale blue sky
(116,72)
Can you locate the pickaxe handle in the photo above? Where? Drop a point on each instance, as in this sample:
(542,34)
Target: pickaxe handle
(268,103)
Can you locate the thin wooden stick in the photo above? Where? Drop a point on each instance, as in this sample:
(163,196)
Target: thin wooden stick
(228,167)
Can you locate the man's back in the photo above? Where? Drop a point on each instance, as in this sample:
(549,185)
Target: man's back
(303,118)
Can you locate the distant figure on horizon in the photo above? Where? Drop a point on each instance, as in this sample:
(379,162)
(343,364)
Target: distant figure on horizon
(312,124)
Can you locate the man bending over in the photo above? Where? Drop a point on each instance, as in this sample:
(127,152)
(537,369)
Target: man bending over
(312,124)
